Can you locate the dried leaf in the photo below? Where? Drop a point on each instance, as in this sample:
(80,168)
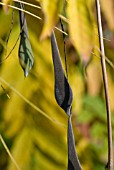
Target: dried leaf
(81,27)
(25,51)
(51,11)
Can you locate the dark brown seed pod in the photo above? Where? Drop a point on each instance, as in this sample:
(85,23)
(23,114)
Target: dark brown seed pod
(73,162)
(63,92)
(64,96)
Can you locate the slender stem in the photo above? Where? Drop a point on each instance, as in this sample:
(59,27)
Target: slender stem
(29,4)
(29,13)
(8,152)
(65,55)
(30,103)
(103,64)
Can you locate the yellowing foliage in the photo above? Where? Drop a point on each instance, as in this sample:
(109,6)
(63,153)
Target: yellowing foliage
(35,142)
(108,10)
(81,27)
(51,11)
(6,6)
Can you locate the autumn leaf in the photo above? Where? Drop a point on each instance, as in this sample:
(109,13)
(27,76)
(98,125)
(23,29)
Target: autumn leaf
(5,7)
(80,27)
(108,11)
(51,11)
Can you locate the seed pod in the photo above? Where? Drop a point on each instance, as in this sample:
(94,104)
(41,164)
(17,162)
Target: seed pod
(26,58)
(63,95)
(73,162)
(63,92)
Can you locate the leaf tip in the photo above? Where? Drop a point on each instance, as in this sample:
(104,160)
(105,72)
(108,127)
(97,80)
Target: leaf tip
(45,34)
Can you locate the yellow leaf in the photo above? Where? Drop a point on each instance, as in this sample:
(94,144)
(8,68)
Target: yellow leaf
(21,150)
(81,27)
(5,7)
(51,10)
(108,11)
(94,84)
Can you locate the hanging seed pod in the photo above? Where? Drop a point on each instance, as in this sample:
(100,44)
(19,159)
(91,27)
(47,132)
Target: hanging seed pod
(63,92)
(26,58)
(63,95)
(73,162)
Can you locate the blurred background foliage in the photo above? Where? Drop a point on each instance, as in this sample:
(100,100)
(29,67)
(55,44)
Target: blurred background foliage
(36,142)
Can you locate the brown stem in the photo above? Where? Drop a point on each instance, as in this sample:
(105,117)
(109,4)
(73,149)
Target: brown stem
(103,64)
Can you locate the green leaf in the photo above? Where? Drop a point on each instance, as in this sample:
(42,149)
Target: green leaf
(51,10)
(81,27)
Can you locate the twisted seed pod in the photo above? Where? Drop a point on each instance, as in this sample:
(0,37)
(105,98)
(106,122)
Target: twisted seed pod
(73,162)
(63,96)
(63,92)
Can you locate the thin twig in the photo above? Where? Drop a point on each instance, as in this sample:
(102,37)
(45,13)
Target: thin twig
(9,153)
(29,4)
(3,43)
(106,58)
(11,50)
(36,6)
(103,37)
(11,27)
(64,18)
(39,7)
(5,91)
(14,7)
(20,33)
(103,64)
(30,103)
(65,55)
(60,30)
(14,45)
